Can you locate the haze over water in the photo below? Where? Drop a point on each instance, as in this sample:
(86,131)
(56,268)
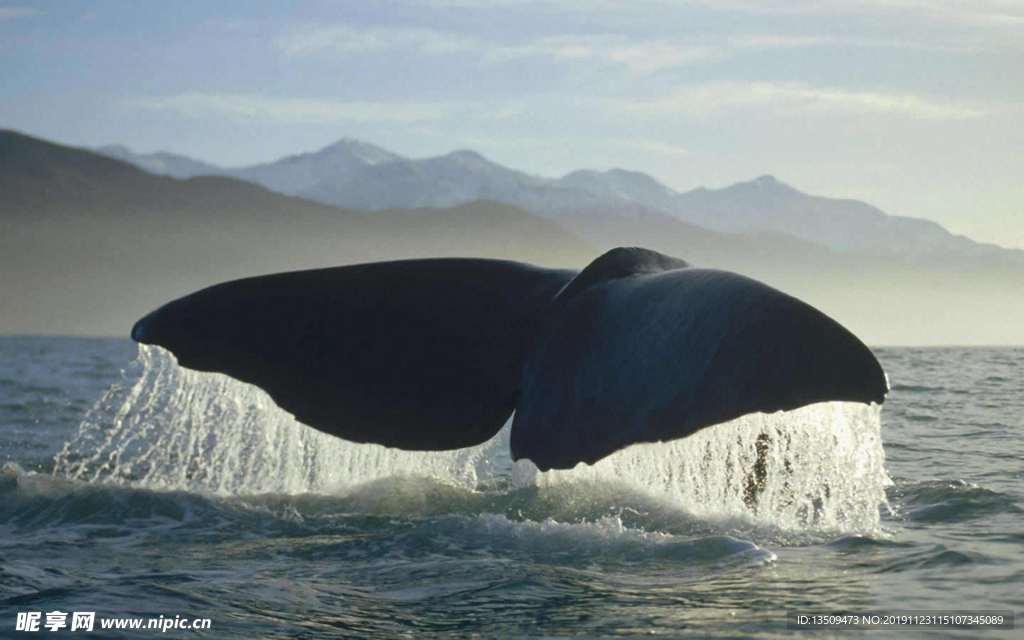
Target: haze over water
(167,492)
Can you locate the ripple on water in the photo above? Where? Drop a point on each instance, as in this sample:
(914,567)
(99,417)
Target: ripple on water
(949,501)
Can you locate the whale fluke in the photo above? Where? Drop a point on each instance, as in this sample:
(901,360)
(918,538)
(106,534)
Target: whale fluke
(650,355)
(418,354)
(436,354)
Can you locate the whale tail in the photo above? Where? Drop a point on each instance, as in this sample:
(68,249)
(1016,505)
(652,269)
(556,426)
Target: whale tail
(436,354)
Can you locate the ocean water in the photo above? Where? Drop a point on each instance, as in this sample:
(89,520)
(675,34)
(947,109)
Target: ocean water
(135,489)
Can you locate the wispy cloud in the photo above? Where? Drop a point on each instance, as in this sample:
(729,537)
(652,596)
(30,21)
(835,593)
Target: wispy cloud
(347,39)
(493,4)
(792,98)
(294,110)
(975,12)
(8,13)
(776,99)
(647,56)
(980,10)
(639,56)
(768,41)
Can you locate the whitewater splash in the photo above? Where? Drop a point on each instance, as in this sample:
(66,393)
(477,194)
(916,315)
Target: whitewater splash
(821,466)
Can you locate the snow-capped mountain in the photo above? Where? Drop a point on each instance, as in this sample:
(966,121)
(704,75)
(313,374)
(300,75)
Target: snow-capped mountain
(294,175)
(359,175)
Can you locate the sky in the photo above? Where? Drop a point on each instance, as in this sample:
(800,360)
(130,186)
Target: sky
(915,106)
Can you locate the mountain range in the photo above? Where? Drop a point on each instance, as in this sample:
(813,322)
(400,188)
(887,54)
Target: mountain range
(359,175)
(89,243)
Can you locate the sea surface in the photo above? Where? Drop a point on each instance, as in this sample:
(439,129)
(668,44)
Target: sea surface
(132,488)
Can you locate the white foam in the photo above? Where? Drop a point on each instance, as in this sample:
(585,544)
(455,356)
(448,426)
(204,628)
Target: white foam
(823,467)
(176,429)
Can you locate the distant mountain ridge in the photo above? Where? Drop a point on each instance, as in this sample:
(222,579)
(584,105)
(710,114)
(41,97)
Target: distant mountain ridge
(88,242)
(355,174)
(296,174)
(160,163)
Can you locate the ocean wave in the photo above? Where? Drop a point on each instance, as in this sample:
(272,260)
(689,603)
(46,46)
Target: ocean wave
(936,556)
(912,388)
(934,501)
(818,468)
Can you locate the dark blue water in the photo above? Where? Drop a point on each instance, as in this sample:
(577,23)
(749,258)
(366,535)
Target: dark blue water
(165,492)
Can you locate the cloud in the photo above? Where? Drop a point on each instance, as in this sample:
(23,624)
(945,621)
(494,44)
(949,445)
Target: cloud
(8,13)
(500,4)
(640,56)
(294,110)
(763,42)
(1004,13)
(791,98)
(695,101)
(936,9)
(643,56)
(347,39)
(648,56)
(977,12)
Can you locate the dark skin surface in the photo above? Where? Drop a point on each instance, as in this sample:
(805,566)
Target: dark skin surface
(418,354)
(437,354)
(670,349)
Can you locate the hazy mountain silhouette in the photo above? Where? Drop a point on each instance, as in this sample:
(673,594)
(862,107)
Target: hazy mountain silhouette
(359,175)
(765,204)
(297,174)
(88,244)
(290,175)
(161,163)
